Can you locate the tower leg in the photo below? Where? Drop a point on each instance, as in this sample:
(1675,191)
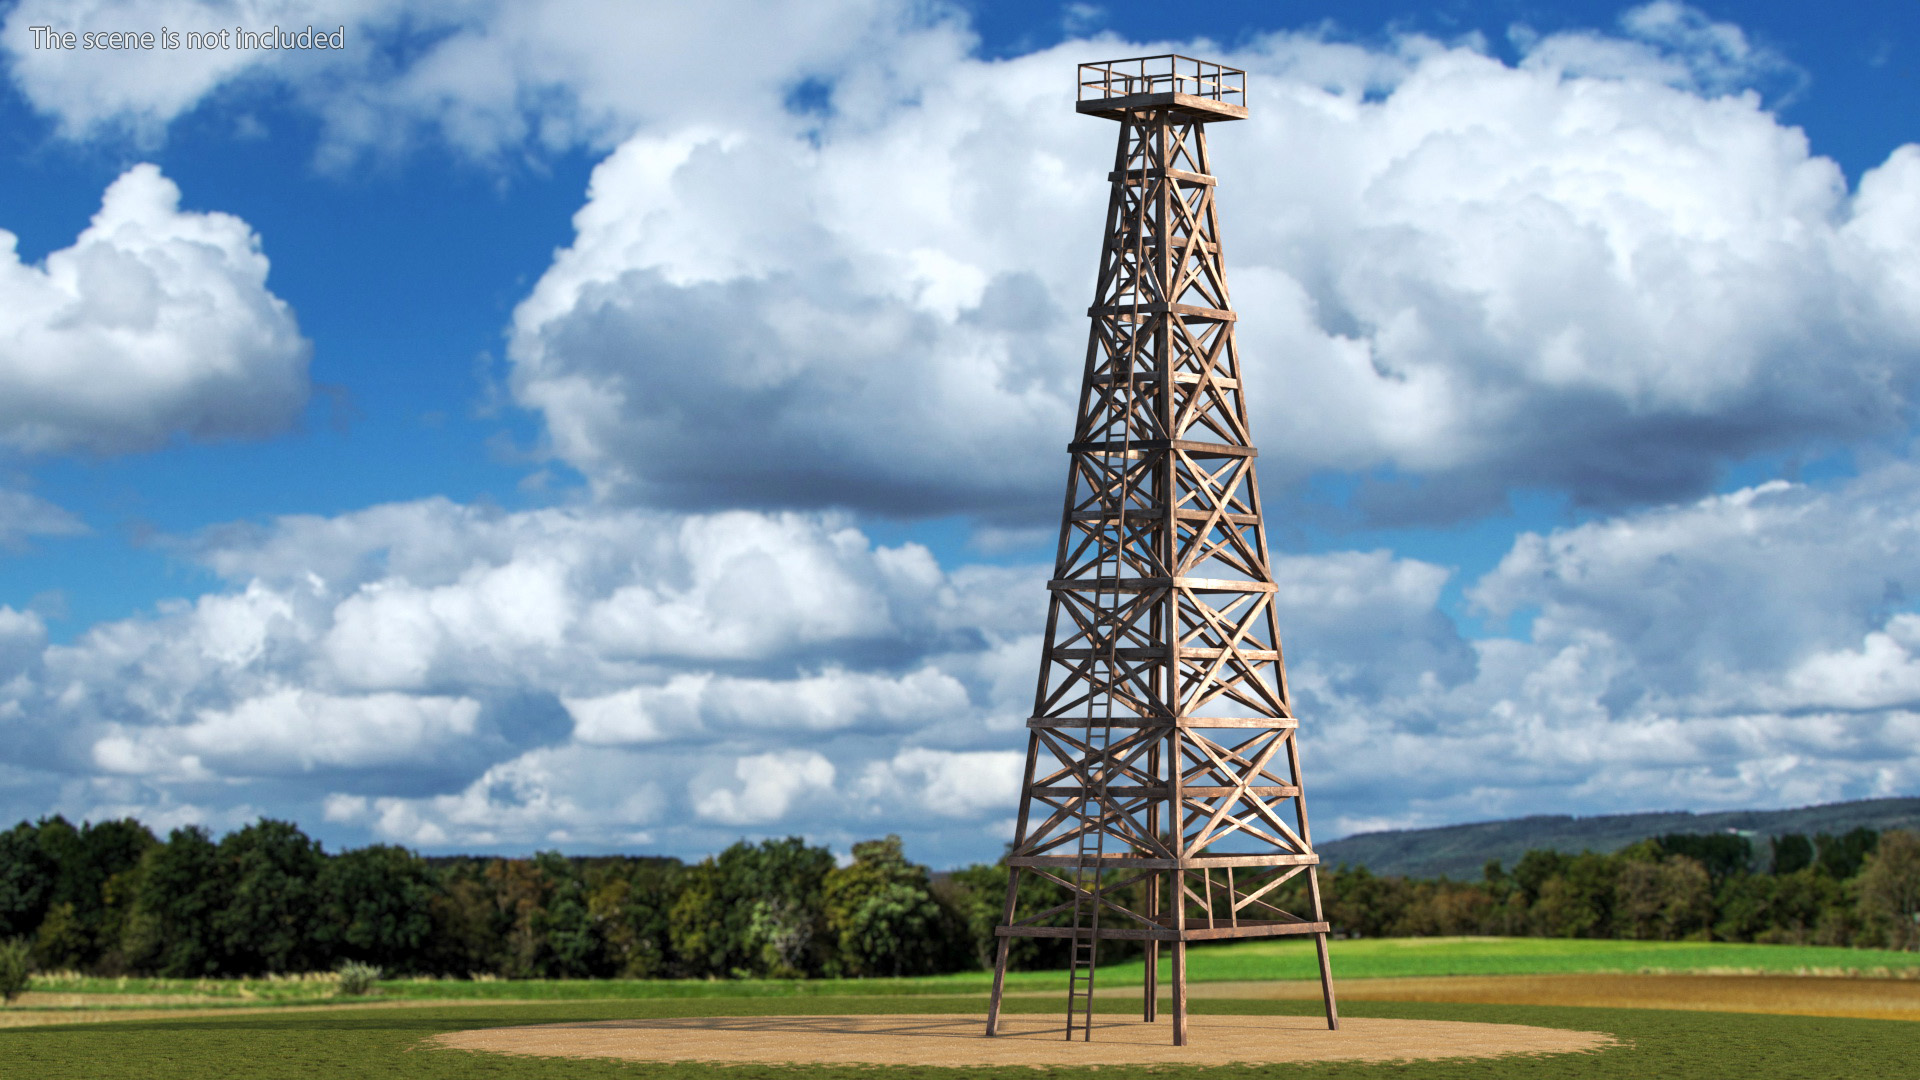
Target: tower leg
(1326,983)
(1179,993)
(1320,944)
(999,985)
(1006,919)
(1149,1008)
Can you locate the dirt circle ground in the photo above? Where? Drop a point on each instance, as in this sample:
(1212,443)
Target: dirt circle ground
(1026,1040)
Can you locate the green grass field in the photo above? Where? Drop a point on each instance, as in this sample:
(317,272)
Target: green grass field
(211,1043)
(381,1043)
(1258,960)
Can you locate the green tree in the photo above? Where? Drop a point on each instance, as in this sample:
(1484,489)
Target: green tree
(572,947)
(1360,904)
(1505,894)
(1441,907)
(775,911)
(55,873)
(629,901)
(273,900)
(465,939)
(978,896)
(61,943)
(884,918)
(376,907)
(696,924)
(1842,856)
(753,910)
(1534,870)
(1663,900)
(1890,889)
(1782,909)
(1577,901)
(1744,906)
(521,889)
(1791,852)
(182,888)
(1721,854)
(100,880)
(16,968)
(26,881)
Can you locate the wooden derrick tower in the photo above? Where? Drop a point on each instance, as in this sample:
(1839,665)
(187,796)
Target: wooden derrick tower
(1163,765)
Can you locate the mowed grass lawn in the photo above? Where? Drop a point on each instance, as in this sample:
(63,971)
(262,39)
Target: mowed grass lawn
(378,1043)
(213,1043)
(1237,962)
(1378,958)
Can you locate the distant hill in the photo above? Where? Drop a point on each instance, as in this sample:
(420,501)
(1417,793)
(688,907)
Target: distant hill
(1460,851)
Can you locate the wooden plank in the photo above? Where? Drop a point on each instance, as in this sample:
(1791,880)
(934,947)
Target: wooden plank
(1120,860)
(1150,584)
(1161,512)
(1155,308)
(1181,175)
(1184,379)
(1271,791)
(1189,107)
(1246,929)
(1258,723)
(1149,652)
(1142,447)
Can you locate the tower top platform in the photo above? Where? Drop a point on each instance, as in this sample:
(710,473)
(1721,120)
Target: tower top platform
(1197,90)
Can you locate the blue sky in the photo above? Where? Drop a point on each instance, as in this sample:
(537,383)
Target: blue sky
(503,433)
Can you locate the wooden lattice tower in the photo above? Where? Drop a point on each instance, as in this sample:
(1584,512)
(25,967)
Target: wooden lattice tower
(1162,753)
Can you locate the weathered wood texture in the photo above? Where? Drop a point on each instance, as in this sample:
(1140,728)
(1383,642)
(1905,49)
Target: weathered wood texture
(1162,751)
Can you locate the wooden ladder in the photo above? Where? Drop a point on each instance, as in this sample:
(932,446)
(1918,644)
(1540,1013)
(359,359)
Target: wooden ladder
(1089,878)
(1089,874)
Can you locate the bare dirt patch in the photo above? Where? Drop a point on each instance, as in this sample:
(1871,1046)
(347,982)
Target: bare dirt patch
(1027,1040)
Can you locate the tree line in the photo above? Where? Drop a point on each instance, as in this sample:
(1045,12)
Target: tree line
(111,898)
(1860,889)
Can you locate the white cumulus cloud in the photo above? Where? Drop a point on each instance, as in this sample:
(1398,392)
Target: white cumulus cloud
(156,322)
(1463,277)
(764,787)
(292,730)
(948,783)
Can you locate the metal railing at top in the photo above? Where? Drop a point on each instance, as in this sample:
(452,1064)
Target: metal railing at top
(1167,73)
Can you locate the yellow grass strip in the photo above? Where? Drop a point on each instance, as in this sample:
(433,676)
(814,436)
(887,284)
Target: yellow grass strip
(17,1017)
(1867,999)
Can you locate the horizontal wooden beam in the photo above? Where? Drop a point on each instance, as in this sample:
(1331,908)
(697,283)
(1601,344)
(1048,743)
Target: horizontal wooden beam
(1264,723)
(1161,307)
(1181,175)
(1188,107)
(1246,929)
(1155,584)
(1139,447)
(1190,862)
(1153,652)
(1165,791)
(1148,512)
(1150,376)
